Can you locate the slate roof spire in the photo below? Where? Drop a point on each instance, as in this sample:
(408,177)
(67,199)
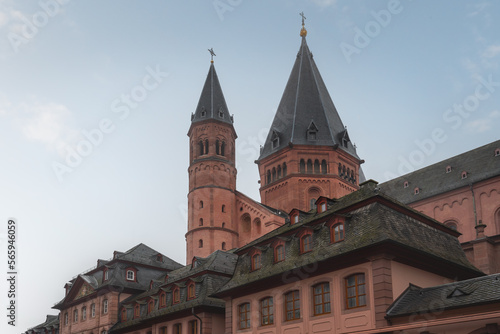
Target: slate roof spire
(212,104)
(306,101)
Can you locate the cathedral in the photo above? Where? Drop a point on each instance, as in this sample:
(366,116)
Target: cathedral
(324,251)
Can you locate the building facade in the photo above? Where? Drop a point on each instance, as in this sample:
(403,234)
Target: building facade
(325,251)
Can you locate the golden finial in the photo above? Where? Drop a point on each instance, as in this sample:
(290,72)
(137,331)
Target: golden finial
(212,54)
(303,31)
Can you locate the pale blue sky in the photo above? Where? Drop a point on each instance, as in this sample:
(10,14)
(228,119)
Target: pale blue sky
(64,69)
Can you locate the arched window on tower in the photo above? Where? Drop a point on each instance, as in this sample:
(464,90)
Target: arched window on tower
(201,204)
(324,167)
(340,169)
(223,149)
(201,147)
(279,172)
(217,148)
(200,243)
(309,166)
(312,204)
(223,246)
(268,176)
(302,164)
(274,174)
(316,166)
(284,169)
(201,222)
(206,146)
(348,175)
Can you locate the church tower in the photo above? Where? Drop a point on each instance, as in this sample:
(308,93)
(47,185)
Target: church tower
(308,152)
(212,173)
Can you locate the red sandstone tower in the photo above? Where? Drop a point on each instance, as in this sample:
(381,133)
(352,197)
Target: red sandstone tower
(212,174)
(308,152)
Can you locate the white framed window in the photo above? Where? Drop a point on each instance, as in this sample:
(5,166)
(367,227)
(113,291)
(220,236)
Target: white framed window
(75,316)
(105,306)
(92,310)
(130,275)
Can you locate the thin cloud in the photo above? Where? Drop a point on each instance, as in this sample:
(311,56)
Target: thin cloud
(46,123)
(325,3)
(484,124)
(491,51)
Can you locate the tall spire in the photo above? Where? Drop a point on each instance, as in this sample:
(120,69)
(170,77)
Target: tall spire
(306,114)
(212,104)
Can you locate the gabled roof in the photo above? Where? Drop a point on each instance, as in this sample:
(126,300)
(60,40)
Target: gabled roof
(306,101)
(212,104)
(471,292)
(480,164)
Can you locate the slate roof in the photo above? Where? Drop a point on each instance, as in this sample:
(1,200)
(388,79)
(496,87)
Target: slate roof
(148,262)
(366,225)
(467,293)
(144,254)
(209,274)
(306,104)
(51,321)
(480,164)
(212,104)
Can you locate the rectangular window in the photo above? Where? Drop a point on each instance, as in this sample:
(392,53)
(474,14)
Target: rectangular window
(266,311)
(163,330)
(292,305)
(321,295)
(244,315)
(75,316)
(92,310)
(355,291)
(177,329)
(105,306)
(193,327)
(84,313)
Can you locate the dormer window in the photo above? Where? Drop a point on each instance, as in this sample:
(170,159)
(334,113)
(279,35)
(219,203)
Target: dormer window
(105,274)
(124,314)
(464,175)
(191,291)
(275,140)
(312,132)
(203,112)
(221,113)
(176,295)
(321,205)
(416,191)
(497,152)
(278,250)
(294,217)
(405,184)
(159,257)
(448,169)
(163,299)
(137,311)
(337,232)
(151,306)
(256,261)
(130,274)
(306,243)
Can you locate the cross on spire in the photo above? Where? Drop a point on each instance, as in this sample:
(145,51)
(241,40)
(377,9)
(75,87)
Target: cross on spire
(212,54)
(303,31)
(303,17)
